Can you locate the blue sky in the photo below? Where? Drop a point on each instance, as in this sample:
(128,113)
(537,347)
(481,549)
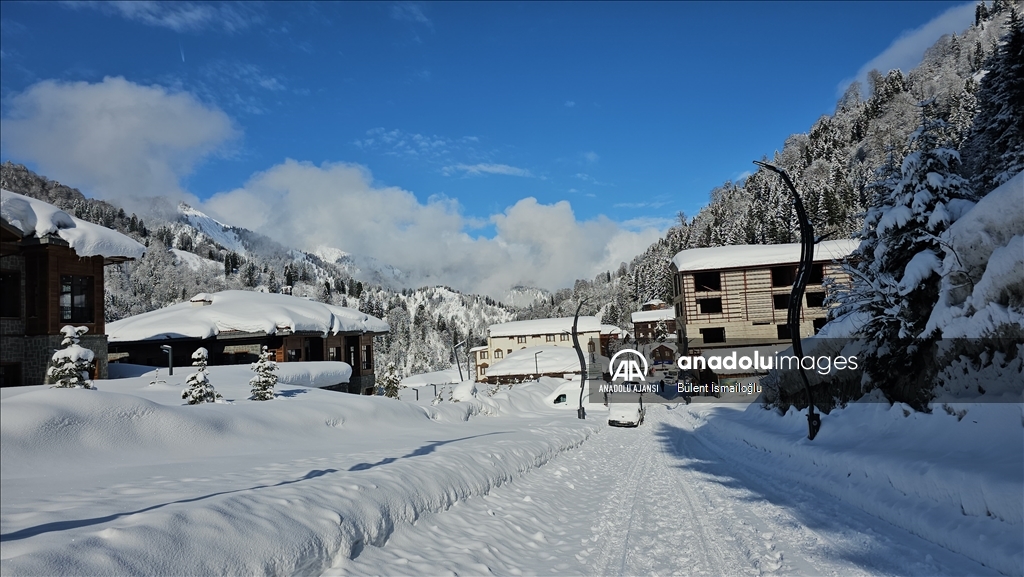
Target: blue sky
(476,122)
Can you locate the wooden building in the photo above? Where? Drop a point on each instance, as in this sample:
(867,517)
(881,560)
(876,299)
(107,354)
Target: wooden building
(234,326)
(739,295)
(51,275)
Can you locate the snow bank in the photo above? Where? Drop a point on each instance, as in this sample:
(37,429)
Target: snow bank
(983,272)
(128,480)
(954,479)
(36,218)
(242,311)
(722,257)
(544,327)
(551,359)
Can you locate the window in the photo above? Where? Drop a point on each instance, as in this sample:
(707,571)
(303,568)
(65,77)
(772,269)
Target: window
(549,338)
(560,398)
(510,351)
(780,301)
(590,347)
(10,374)
(334,353)
(713,335)
(783,275)
(483,371)
(520,340)
(816,299)
(563,337)
(483,354)
(707,281)
(76,300)
(710,306)
(783,332)
(367,362)
(818,323)
(817,275)
(497,353)
(675,285)
(10,287)
(293,355)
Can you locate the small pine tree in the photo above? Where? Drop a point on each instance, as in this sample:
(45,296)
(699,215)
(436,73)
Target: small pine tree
(661,331)
(70,365)
(389,382)
(199,388)
(265,379)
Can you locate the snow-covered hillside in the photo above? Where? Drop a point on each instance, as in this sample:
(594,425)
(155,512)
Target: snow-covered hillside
(217,231)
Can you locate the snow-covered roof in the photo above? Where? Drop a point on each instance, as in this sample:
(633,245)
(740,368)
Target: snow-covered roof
(750,255)
(242,311)
(610,330)
(551,359)
(480,348)
(444,377)
(652,316)
(35,218)
(654,301)
(544,327)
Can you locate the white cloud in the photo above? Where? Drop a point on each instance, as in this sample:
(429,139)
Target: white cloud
(410,12)
(477,169)
(907,50)
(181,16)
(570,103)
(115,138)
(590,156)
(336,204)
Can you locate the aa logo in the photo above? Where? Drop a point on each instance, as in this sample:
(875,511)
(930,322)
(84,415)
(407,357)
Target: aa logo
(628,368)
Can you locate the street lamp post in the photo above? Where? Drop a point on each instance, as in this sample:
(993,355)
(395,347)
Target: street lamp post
(796,297)
(581,412)
(170,358)
(455,353)
(536,367)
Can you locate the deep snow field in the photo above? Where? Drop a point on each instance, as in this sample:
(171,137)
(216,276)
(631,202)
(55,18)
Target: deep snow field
(129,480)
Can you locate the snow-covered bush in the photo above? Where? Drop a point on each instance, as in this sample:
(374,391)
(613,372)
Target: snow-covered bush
(70,365)
(389,382)
(265,379)
(199,388)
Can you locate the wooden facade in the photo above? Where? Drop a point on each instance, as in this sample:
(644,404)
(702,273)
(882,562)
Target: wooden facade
(744,306)
(46,286)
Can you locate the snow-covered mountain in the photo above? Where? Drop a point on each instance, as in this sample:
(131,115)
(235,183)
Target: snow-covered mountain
(220,233)
(524,296)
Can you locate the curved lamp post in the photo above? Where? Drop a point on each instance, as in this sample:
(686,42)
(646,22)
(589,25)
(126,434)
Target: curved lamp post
(581,413)
(797,295)
(455,353)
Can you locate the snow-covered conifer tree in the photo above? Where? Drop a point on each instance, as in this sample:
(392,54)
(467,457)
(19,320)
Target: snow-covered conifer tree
(265,379)
(896,283)
(199,388)
(389,382)
(994,152)
(70,365)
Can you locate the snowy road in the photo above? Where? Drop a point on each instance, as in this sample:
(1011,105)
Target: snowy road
(653,501)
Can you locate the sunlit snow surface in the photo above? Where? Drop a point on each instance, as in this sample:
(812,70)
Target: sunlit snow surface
(243,311)
(37,218)
(128,480)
